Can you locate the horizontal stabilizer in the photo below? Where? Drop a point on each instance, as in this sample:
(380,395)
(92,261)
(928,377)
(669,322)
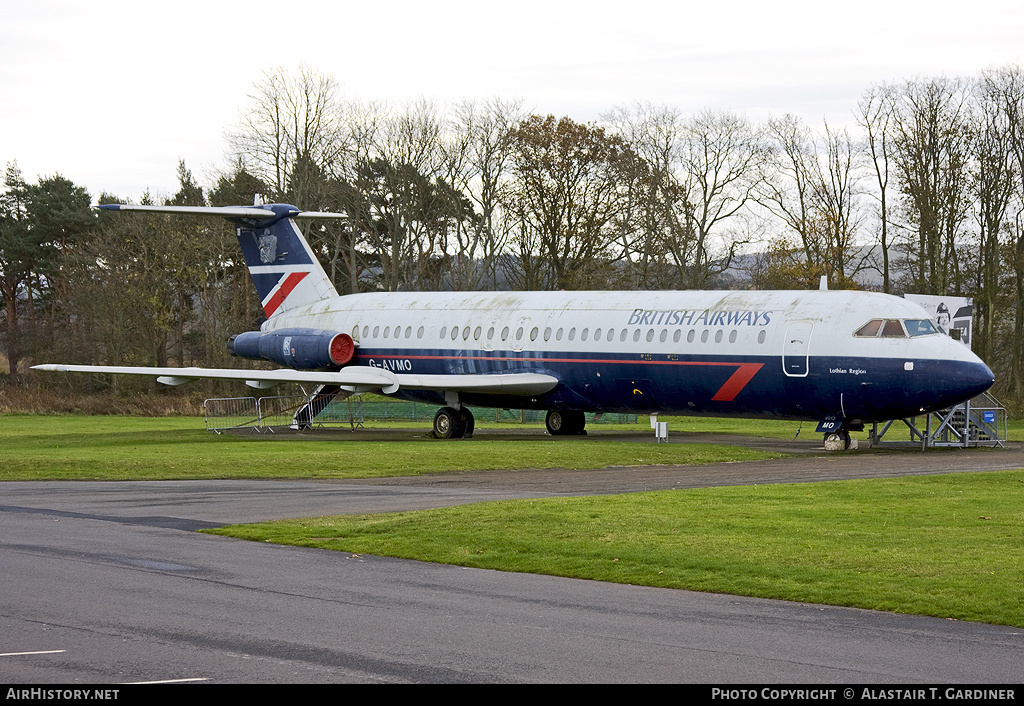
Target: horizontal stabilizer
(284,269)
(250,212)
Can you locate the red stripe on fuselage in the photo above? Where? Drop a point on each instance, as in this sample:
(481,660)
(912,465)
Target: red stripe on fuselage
(736,382)
(290,282)
(745,372)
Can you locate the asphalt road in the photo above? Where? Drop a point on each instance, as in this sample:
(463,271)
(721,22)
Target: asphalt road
(108,583)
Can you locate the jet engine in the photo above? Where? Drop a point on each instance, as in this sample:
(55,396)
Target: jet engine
(299,348)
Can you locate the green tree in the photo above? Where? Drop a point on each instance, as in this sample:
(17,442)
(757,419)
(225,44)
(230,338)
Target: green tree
(38,223)
(565,197)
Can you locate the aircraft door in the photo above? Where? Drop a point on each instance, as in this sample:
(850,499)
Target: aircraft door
(796,348)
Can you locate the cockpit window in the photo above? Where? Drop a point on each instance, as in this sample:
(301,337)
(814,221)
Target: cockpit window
(870,329)
(920,327)
(893,329)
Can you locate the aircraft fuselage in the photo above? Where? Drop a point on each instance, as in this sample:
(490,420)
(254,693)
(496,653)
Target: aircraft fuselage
(785,354)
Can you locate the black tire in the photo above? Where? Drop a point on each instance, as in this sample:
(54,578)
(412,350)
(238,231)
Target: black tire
(468,423)
(565,423)
(449,424)
(555,423)
(577,423)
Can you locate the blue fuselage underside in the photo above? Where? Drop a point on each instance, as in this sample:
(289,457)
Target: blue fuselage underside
(857,388)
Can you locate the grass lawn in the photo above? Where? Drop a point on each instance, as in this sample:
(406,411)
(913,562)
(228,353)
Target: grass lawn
(949,546)
(38,447)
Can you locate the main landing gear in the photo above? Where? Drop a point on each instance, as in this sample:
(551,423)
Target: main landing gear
(451,423)
(565,423)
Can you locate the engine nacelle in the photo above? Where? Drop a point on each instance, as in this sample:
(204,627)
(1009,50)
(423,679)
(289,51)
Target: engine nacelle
(299,348)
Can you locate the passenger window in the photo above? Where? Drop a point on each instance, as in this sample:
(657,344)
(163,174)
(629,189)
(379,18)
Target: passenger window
(732,336)
(504,334)
(611,334)
(690,336)
(444,330)
(572,334)
(677,335)
(419,332)
(583,334)
(533,333)
(622,336)
(408,331)
(558,336)
(870,329)
(893,329)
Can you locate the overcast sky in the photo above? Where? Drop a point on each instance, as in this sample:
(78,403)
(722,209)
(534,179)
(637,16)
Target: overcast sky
(112,94)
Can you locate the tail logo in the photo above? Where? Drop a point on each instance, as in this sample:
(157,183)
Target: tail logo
(278,294)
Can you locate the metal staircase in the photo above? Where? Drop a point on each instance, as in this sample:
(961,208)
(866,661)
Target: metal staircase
(980,421)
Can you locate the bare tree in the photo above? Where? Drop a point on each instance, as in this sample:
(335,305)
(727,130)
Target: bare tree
(874,114)
(483,134)
(837,199)
(931,151)
(721,162)
(995,185)
(291,132)
(789,194)
(345,241)
(654,225)
(1006,88)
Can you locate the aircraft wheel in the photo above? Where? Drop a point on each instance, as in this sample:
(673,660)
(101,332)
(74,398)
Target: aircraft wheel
(468,423)
(556,423)
(561,423)
(839,441)
(449,424)
(578,421)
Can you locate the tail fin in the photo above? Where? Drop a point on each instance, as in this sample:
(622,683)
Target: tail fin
(284,269)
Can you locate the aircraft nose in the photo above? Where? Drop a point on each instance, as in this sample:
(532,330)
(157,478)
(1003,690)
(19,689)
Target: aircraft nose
(978,377)
(968,379)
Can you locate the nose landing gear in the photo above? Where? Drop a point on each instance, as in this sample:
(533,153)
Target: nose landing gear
(838,441)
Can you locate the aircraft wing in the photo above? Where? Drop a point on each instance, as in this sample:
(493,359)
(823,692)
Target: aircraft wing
(355,378)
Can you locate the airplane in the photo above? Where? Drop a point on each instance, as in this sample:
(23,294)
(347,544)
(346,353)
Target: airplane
(842,358)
